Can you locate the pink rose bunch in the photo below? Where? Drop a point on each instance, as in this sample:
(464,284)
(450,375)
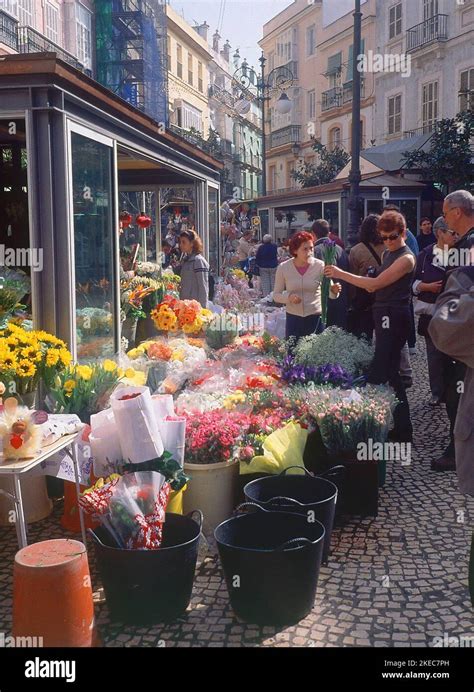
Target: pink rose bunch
(214,437)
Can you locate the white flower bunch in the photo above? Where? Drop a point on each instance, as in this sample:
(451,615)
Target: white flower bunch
(335,346)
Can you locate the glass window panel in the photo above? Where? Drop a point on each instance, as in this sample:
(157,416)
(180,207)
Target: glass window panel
(213,211)
(17,259)
(94,239)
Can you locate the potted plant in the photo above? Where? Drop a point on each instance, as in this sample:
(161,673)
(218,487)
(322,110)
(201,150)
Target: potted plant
(212,461)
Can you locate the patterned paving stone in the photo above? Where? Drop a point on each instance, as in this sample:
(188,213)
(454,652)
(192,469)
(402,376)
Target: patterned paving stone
(417,541)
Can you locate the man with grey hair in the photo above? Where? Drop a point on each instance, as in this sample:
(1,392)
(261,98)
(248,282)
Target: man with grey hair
(458,212)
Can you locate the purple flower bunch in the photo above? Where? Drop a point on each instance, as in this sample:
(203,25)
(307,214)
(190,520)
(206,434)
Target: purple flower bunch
(330,373)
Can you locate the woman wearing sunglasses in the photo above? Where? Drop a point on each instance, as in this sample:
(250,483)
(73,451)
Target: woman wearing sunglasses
(391,310)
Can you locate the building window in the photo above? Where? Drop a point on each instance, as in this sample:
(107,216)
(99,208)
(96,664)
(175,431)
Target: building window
(271,61)
(335,138)
(285,46)
(26,12)
(311,40)
(200,80)
(311,104)
(290,167)
(273,177)
(51,23)
(189,117)
(430,9)
(168,50)
(466,95)
(395,114)
(179,61)
(430,104)
(83,36)
(190,69)
(10,6)
(395,20)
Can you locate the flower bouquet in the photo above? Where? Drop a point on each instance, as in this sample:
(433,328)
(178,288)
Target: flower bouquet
(173,315)
(214,437)
(281,449)
(222,329)
(329,256)
(132,508)
(335,346)
(12,287)
(346,419)
(333,375)
(85,389)
(29,357)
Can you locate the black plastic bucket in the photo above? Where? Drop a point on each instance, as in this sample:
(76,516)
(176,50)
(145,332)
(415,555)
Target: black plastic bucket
(313,496)
(271,563)
(150,586)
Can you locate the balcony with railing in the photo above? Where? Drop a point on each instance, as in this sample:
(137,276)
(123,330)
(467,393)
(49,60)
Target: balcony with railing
(285,135)
(8,30)
(423,130)
(432,30)
(30,41)
(332,98)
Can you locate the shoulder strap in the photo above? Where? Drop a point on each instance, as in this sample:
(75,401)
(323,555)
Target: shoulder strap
(373,253)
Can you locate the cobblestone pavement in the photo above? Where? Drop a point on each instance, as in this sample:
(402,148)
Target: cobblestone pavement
(397,580)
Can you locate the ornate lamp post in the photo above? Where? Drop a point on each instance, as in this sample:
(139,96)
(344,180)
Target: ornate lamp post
(262,88)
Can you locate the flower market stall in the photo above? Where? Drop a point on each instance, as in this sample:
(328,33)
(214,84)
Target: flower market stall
(183,419)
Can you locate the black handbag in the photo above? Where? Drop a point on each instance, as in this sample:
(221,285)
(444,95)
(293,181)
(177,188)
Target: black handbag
(423,324)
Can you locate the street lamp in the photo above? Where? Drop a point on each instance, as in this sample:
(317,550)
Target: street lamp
(295,149)
(355,174)
(261,88)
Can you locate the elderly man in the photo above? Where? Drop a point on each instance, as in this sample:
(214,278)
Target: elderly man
(458,212)
(452,330)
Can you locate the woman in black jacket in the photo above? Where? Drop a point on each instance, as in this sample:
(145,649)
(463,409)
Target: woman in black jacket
(430,276)
(391,311)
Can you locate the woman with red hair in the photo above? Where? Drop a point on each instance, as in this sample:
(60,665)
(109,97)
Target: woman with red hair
(298,286)
(391,311)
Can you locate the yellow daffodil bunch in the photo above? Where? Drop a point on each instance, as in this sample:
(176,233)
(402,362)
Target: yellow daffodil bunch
(86,389)
(27,357)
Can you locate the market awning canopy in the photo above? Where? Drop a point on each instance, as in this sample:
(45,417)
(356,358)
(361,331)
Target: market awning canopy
(389,157)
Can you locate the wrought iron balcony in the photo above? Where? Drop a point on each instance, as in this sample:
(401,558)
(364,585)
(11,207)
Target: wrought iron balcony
(30,41)
(423,130)
(8,30)
(433,29)
(286,135)
(332,98)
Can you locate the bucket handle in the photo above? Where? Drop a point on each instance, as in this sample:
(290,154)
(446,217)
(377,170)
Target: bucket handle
(301,468)
(95,537)
(200,517)
(293,543)
(334,471)
(289,500)
(249,504)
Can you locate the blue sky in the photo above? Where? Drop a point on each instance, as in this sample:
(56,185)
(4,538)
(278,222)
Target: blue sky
(243,20)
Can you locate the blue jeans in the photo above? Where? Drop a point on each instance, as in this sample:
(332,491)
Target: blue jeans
(302,326)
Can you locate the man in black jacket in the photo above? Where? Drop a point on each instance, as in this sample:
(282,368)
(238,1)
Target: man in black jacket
(458,212)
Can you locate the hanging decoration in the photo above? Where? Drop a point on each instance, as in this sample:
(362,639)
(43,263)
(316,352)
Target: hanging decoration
(143,221)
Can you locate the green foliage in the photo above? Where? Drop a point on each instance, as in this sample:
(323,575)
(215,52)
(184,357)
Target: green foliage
(449,159)
(330,164)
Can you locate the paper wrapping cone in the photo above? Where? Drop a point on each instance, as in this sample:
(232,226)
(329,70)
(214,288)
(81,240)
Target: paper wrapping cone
(173,433)
(137,425)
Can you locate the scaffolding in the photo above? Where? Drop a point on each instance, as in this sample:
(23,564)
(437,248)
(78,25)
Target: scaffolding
(131,53)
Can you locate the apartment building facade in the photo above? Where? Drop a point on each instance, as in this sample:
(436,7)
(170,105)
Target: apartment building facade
(320,58)
(438,38)
(61,26)
(188,75)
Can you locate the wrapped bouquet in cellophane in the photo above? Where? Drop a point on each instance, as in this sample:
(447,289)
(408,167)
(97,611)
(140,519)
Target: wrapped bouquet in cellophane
(132,508)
